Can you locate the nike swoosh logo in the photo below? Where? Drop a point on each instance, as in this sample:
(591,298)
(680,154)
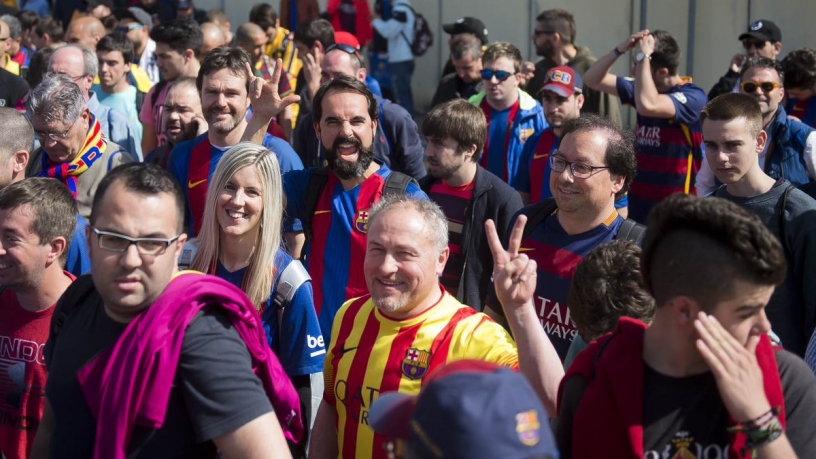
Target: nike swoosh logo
(343,351)
(525,249)
(318,212)
(541,156)
(195,184)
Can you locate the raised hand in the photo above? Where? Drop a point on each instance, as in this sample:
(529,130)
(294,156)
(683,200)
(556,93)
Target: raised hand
(735,367)
(311,70)
(514,274)
(630,42)
(266,102)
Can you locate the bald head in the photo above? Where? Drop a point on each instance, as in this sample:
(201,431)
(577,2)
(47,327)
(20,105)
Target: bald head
(213,38)
(86,31)
(252,38)
(77,63)
(338,62)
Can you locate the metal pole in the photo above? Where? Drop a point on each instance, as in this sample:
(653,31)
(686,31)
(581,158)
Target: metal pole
(692,18)
(644,7)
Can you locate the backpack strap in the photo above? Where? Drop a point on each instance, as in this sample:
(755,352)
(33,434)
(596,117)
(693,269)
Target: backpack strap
(188,252)
(537,213)
(73,297)
(159,87)
(289,281)
(631,230)
(140,98)
(783,224)
(317,182)
(397,183)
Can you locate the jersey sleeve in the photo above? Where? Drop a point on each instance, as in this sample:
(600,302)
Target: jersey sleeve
(288,159)
(413,190)
(146,113)
(480,338)
(219,388)
(626,90)
(799,387)
(521,182)
(294,187)
(688,103)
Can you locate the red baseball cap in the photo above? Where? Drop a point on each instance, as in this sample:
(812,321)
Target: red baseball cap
(345,38)
(563,81)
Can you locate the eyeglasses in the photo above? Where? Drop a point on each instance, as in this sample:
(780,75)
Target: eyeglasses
(578,170)
(151,246)
(766,86)
(125,29)
(55,136)
(500,75)
(748,44)
(543,32)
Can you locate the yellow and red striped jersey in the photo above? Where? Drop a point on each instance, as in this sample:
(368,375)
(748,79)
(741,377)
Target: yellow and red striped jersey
(370,354)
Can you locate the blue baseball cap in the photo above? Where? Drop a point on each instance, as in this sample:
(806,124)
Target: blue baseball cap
(468,409)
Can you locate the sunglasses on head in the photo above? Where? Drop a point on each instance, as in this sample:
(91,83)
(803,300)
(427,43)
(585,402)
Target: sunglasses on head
(127,28)
(500,75)
(766,86)
(345,48)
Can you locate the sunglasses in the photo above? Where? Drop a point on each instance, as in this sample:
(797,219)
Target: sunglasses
(500,75)
(125,29)
(766,86)
(748,44)
(345,48)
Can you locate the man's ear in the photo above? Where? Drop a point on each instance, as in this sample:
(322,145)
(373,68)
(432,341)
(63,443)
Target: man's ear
(761,138)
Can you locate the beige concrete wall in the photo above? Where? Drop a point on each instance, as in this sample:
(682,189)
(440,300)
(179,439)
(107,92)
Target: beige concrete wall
(601,25)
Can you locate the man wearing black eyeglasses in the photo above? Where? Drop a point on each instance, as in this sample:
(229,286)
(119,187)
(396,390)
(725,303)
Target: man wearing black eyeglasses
(762,39)
(789,152)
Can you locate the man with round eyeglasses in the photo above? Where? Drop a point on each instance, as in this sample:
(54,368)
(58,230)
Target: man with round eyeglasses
(593,165)
(790,150)
(111,330)
(72,147)
(513,116)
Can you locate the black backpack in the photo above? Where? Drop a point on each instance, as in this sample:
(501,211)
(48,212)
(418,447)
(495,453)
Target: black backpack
(630,230)
(423,36)
(395,183)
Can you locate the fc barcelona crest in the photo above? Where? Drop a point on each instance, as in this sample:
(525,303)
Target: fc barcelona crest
(415,363)
(527,428)
(361,223)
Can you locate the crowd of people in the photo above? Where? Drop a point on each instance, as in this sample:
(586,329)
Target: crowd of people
(243,242)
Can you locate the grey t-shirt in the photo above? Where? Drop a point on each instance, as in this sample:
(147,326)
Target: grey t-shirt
(214,393)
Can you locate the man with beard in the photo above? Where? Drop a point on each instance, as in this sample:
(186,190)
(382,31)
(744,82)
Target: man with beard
(554,40)
(468,195)
(223,82)
(466,79)
(594,165)
(333,202)
(182,119)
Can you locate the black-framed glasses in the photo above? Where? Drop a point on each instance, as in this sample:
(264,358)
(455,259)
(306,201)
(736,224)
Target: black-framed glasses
(125,29)
(578,170)
(114,242)
(765,86)
(749,43)
(501,75)
(348,49)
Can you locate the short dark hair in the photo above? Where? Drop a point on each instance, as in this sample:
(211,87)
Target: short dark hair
(144,179)
(343,83)
(699,248)
(38,66)
(800,69)
(606,286)
(561,22)
(465,43)
(315,29)
(179,34)
(18,134)
(224,57)
(733,105)
(116,42)
(264,15)
(459,120)
(666,52)
(503,49)
(54,207)
(620,146)
(762,63)
(51,26)
(28,19)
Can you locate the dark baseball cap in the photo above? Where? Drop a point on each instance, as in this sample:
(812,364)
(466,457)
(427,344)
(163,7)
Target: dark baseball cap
(468,409)
(183,4)
(95,3)
(764,30)
(467,24)
(134,13)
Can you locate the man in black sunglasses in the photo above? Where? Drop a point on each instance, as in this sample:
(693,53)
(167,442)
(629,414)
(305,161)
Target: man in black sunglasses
(790,150)
(764,39)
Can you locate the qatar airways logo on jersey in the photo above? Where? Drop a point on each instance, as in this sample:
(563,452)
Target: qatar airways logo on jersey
(555,318)
(648,136)
(356,399)
(21,350)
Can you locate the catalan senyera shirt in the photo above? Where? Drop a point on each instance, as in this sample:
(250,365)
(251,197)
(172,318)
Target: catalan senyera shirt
(370,354)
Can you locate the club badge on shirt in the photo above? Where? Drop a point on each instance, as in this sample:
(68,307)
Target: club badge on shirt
(361,223)
(415,363)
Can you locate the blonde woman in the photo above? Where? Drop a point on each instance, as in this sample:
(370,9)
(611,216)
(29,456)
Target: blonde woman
(240,241)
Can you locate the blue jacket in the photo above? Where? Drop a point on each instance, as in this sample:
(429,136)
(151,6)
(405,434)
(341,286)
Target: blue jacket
(530,120)
(115,127)
(788,142)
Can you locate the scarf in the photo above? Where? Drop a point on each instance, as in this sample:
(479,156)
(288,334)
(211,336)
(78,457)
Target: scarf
(91,150)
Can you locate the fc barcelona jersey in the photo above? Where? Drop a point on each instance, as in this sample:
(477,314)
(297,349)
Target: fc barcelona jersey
(371,354)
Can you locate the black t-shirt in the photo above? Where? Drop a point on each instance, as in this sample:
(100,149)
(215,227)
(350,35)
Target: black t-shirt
(214,393)
(12,89)
(687,413)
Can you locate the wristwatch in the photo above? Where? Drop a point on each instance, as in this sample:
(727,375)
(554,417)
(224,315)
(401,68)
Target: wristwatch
(640,57)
